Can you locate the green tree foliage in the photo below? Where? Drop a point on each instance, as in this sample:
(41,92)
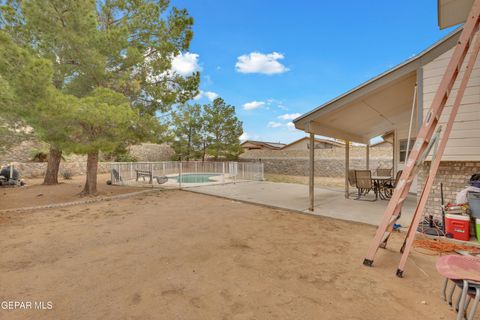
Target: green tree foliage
(223,130)
(24,80)
(209,131)
(103,121)
(126,46)
(188,131)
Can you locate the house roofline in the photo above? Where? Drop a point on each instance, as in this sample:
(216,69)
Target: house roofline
(264,143)
(402,69)
(338,144)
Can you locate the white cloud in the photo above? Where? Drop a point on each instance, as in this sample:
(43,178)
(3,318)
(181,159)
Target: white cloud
(273,124)
(210,95)
(289,116)
(244,136)
(185,63)
(253,105)
(291,126)
(256,62)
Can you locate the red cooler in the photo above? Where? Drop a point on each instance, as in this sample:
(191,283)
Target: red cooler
(458,226)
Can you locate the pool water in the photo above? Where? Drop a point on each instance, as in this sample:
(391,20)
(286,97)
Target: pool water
(196,177)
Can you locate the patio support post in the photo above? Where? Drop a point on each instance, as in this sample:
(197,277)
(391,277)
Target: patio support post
(347,167)
(394,156)
(311,182)
(368,157)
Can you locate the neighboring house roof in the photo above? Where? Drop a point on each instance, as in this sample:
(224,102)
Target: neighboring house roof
(383,80)
(332,142)
(266,144)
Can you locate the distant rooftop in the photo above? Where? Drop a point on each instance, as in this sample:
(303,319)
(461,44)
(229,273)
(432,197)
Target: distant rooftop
(271,145)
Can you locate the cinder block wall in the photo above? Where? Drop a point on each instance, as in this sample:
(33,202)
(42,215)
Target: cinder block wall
(453,174)
(328,162)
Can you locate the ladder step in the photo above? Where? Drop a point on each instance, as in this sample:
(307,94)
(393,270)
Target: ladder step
(392,220)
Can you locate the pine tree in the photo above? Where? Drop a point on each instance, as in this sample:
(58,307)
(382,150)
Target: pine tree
(126,46)
(188,127)
(223,130)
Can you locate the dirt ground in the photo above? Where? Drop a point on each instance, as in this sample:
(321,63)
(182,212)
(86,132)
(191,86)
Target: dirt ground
(336,183)
(36,194)
(179,255)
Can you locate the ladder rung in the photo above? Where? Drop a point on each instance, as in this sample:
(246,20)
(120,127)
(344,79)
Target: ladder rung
(393,219)
(401,200)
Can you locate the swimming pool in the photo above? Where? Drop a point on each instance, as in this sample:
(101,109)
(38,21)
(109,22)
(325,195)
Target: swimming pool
(196,177)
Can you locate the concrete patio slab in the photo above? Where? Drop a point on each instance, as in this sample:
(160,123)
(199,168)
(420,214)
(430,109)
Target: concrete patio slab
(328,202)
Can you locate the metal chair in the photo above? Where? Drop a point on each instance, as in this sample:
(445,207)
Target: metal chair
(364,184)
(382,172)
(464,272)
(116,177)
(352,181)
(390,187)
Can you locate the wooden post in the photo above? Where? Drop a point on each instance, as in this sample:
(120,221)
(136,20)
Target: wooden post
(368,157)
(311,180)
(394,155)
(347,168)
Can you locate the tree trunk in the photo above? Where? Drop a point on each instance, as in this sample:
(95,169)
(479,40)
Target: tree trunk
(204,150)
(54,158)
(188,143)
(90,187)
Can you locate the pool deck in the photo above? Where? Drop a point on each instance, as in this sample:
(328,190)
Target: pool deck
(328,202)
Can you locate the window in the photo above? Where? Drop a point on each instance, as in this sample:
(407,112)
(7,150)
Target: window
(403,148)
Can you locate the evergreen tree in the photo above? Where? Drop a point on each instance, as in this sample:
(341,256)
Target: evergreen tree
(103,121)
(188,127)
(124,45)
(223,130)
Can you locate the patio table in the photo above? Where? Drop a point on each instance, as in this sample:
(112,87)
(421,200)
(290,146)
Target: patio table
(378,182)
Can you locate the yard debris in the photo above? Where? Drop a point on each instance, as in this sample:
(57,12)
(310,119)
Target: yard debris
(442,247)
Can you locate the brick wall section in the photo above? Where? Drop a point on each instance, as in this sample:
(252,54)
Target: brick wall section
(21,156)
(37,169)
(335,153)
(453,174)
(328,162)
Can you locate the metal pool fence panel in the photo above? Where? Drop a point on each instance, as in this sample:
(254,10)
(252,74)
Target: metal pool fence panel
(181,174)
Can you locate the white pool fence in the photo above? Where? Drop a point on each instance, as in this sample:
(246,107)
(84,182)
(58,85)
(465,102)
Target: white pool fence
(180,174)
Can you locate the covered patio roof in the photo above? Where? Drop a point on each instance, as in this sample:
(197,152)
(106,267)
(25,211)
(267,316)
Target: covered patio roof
(377,106)
(453,12)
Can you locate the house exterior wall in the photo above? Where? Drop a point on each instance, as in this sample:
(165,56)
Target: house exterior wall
(248,146)
(461,158)
(453,174)
(464,141)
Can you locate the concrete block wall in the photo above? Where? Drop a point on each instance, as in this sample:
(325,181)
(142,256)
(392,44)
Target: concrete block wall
(328,162)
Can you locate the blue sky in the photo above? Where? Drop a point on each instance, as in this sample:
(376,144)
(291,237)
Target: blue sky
(274,59)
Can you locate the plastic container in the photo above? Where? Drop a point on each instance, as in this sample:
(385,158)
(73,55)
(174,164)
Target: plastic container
(474,203)
(458,226)
(477,229)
